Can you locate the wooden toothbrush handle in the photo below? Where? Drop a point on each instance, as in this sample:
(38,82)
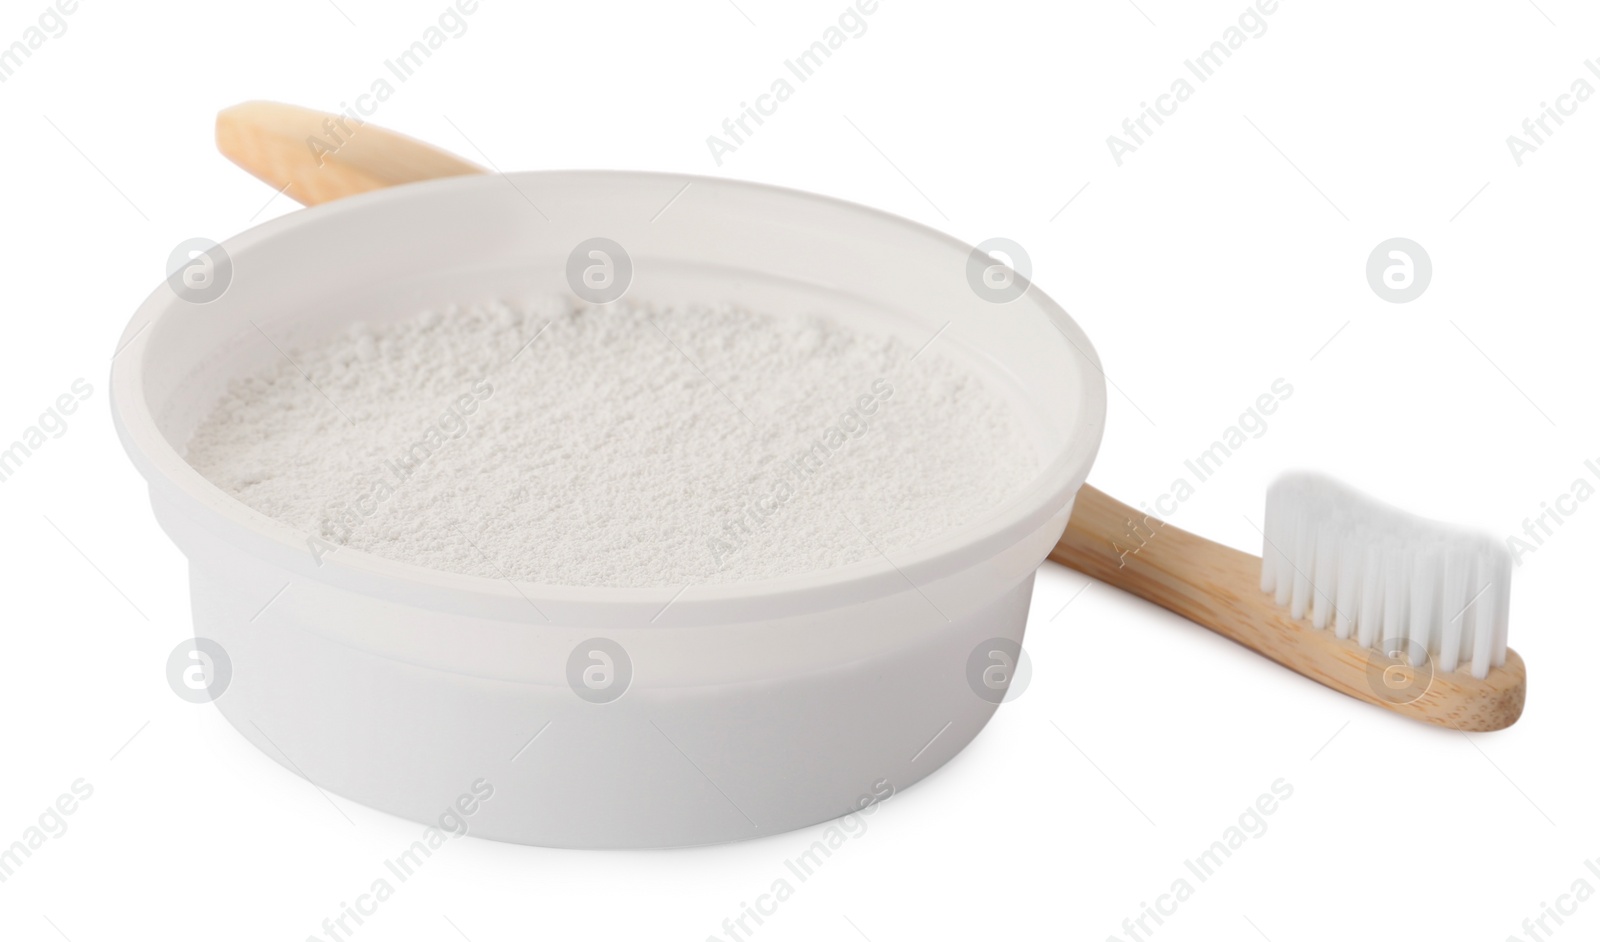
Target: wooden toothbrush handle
(1219,588)
(315,157)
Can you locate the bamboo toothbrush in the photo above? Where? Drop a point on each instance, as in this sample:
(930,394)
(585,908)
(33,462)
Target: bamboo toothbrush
(1388,608)
(1418,611)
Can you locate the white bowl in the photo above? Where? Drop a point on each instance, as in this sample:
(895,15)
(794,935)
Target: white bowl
(753,708)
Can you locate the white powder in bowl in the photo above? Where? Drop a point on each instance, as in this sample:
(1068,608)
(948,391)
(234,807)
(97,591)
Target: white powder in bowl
(617,445)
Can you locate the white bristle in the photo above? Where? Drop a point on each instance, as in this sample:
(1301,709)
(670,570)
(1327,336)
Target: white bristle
(1389,579)
(1370,600)
(1350,580)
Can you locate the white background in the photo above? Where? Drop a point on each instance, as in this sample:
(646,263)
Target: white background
(1228,251)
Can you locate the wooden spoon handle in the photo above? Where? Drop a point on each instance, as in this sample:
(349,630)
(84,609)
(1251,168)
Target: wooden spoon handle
(1219,588)
(315,157)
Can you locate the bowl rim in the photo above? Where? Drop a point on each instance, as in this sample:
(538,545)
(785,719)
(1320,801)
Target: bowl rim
(170,475)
